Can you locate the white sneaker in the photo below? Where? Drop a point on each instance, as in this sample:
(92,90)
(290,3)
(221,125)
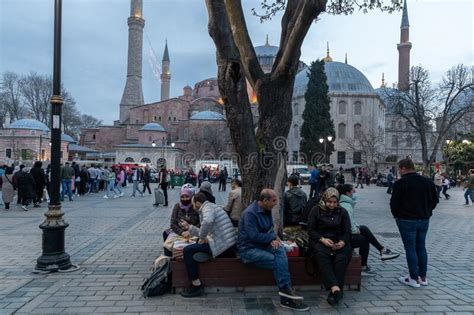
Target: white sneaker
(121,194)
(409,281)
(423,283)
(24,208)
(116,196)
(105,197)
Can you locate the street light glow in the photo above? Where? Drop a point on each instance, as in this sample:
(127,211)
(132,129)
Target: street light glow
(321,140)
(329,138)
(153,144)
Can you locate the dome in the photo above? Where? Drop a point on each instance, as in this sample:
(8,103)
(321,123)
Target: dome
(29,124)
(152,127)
(341,78)
(266,50)
(68,138)
(207,115)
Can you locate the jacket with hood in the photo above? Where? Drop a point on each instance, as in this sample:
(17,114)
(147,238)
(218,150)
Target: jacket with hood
(348,203)
(294,202)
(216,227)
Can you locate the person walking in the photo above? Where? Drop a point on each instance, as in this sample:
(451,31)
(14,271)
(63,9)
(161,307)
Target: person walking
(163,179)
(8,190)
(26,187)
(390,181)
(146,180)
(413,199)
(38,175)
(360,179)
(119,180)
(446,183)
(223,179)
(438,181)
(469,187)
(66,175)
(136,177)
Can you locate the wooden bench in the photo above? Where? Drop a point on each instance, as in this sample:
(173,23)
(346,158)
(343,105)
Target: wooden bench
(231,272)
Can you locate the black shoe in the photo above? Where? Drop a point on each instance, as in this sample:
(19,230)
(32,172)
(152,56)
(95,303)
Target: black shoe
(165,205)
(297,306)
(338,295)
(156,204)
(193,291)
(331,298)
(201,257)
(289,293)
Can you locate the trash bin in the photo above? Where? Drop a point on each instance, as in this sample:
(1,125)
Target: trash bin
(177,180)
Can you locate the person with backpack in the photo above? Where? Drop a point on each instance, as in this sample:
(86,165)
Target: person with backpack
(294,201)
(216,236)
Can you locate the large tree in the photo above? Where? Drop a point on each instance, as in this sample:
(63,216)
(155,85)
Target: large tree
(317,121)
(425,106)
(370,144)
(11,90)
(262,149)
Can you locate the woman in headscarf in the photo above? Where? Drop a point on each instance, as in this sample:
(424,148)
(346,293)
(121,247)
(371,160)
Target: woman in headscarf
(183,210)
(8,189)
(329,229)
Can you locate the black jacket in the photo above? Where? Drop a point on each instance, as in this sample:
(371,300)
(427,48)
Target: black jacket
(294,202)
(413,197)
(335,225)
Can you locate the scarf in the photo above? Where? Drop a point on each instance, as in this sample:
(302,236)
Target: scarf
(327,194)
(186,192)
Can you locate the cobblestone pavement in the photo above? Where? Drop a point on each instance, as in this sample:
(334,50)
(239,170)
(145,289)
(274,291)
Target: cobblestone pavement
(116,240)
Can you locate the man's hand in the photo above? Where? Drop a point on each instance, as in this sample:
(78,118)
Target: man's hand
(338,245)
(326,242)
(186,234)
(275,243)
(184,224)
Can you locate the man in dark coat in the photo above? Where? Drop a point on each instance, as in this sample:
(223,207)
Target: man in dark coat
(26,187)
(38,175)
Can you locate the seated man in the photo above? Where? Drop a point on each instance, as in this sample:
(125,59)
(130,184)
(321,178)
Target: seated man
(216,235)
(294,201)
(258,244)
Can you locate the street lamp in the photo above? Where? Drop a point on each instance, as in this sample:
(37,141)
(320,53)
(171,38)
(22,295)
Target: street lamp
(322,140)
(54,258)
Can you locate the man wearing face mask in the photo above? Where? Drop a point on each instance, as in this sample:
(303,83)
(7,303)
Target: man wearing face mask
(361,236)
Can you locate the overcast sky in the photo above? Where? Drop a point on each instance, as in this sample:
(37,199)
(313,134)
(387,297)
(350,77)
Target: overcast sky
(95,36)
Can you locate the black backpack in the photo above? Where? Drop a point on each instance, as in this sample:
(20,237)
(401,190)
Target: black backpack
(159,282)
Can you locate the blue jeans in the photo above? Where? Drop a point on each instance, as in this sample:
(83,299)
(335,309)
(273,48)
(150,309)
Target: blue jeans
(270,258)
(469,193)
(192,266)
(413,233)
(66,187)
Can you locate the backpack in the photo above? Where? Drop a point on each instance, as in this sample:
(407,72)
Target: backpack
(159,282)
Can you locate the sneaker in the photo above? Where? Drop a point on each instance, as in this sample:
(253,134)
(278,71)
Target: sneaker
(201,257)
(293,305)
(409,281)
(289,293)
(331,299)
(367,272)
(387,254)
(24,208)
(338,295)
(421,282)
(116,196)
(193,291)
(121,194)
(105,197)
(132,196)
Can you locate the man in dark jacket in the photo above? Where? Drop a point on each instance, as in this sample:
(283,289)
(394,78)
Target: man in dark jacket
(413,199)
(26,187)
(38,175)
(258,244)
(294,201)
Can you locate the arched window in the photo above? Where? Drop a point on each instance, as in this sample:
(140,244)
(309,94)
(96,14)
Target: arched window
(174,118)
(357,131)
(296,109)
(159,118)
(357,108)
(150,138)
(145,160)
(341,130)
(342,108)
(409,141)
(295,131)
(129,160)
(394,141)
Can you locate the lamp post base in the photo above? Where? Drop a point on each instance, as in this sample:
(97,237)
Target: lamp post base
(54,258)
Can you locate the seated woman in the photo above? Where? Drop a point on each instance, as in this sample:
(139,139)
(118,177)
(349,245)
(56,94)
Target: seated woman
(329,229)
(183,210)
(361,236)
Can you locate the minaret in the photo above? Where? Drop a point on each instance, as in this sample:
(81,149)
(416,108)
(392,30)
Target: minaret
(404,52)
(133,92)
(165,74)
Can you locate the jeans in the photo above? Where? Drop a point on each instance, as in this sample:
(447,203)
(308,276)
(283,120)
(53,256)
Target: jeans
(164,187)
(470,193)
(146,185)
(314,189)
(445,192)
(135,188)
(363,241)
(413,233)
(270,258)
(118,187)
(110,187)
(192,267)
(66,187)
(332,264)
(91,185)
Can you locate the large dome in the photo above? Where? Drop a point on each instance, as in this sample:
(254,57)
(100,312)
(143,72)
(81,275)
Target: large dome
(342,78)
(153,127)
(207,115)
(31,124)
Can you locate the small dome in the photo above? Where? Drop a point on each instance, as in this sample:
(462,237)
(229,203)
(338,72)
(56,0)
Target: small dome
(266,50)
(29,124)
(341,78)
(68,138)
(153,127)
(207,115)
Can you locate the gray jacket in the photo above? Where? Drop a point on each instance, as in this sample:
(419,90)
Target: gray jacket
(216,227)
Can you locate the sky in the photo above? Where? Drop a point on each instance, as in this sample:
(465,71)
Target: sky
(95,40)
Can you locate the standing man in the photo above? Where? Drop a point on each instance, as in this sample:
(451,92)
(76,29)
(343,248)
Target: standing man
(163,180)
(259,244)
(66,173)
(136,177)
(314,182)
(390,181)
(413,199)
(469,186)
(38,175)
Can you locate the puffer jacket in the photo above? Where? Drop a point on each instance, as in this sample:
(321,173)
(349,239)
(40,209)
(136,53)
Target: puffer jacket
(216,227)
(294,202)
(347,203)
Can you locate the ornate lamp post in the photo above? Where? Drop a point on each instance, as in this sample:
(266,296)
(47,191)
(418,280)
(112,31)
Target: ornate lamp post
(54,257)
(322,140)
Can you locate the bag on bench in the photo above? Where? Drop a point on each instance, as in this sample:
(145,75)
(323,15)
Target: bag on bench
(159,282)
